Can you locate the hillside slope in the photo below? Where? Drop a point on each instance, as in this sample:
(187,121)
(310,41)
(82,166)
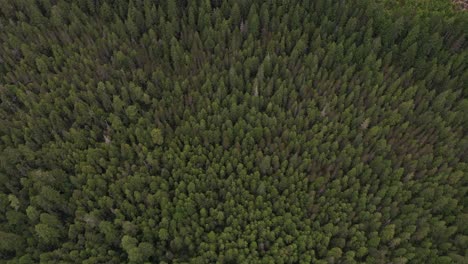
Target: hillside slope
(232,132)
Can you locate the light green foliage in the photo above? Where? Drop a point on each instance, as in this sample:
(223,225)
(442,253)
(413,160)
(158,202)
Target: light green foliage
(47,234)
(128,243)
(388,232)
(157,136)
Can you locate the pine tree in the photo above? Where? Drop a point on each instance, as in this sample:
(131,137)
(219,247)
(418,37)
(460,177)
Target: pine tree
(235,15)
(253,22)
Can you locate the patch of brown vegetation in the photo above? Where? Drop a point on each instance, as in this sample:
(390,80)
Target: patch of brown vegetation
(462,4)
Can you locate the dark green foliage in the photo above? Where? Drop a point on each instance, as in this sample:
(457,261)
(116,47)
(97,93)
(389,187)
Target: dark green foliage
(233,131)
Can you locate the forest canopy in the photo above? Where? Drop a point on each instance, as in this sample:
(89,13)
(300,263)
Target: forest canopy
(175,131)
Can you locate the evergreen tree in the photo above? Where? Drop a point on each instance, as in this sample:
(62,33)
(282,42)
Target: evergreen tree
(139,131)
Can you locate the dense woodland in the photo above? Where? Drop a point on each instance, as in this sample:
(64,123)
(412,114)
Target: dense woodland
(245,131)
